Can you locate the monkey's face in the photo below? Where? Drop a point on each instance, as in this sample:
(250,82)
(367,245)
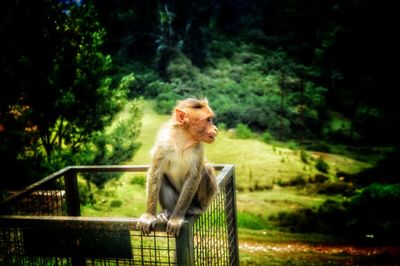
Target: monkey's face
(202,128)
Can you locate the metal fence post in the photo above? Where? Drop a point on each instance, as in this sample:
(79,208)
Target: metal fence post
(231,211)
(73,206)
(184,245)
(72,193)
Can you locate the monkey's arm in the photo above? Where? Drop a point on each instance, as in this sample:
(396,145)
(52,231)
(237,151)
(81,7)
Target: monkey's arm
(154,176)
(185,198)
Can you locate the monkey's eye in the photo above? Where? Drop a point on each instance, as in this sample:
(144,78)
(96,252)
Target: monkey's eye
(209,120)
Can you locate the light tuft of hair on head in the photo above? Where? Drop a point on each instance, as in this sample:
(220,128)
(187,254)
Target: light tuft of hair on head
(192,103)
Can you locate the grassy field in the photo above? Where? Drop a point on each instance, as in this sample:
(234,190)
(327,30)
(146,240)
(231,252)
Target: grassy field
(258,165)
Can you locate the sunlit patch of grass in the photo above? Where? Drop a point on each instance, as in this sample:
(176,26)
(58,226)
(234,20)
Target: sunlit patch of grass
(254,160)
(250,220)
(151,123)
(264,204)
(131,195)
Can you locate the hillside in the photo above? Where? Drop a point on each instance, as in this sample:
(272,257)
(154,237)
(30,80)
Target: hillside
(254,160)
(259,166)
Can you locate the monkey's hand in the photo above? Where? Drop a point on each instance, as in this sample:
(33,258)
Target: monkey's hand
(146,223)
(174,226)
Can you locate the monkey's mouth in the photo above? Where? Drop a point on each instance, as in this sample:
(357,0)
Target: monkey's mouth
(210,139)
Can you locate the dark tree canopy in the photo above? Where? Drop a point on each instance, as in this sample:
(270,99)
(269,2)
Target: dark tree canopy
(347,47)
(55,93)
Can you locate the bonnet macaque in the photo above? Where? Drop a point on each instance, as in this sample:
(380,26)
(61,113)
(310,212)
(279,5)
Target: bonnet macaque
(179,177)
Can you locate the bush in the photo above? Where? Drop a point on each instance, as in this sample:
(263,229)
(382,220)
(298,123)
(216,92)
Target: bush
(385,171)
(340,129)
(86,192)
(330,217)
(374,212)
(317,146)
(250,221)
(117,144)
(321,165)
(266,137)
(221,126)
(298,180)
(115,203)
(304,157)
(262,187)
(181,67)
(337,188)
(243,131)
(320,178)
(302,220)
(371,215)
(165,102)
(138,180)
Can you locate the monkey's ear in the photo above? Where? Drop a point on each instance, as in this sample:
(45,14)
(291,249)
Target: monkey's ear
(180,116)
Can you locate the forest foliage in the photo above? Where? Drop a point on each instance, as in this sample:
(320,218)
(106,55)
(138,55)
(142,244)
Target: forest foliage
(302,70)
(294,69)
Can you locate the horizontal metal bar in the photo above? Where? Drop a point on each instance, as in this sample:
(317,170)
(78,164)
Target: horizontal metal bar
(123,168)
(93,169)
(109,168)
(73,223)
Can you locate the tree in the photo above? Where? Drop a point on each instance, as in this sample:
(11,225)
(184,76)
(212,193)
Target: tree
(55,92)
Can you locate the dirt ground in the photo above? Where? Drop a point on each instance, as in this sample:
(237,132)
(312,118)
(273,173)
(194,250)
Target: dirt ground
(326,249)
(297,253)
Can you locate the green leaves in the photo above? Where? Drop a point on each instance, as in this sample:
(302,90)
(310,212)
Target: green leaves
(57,73)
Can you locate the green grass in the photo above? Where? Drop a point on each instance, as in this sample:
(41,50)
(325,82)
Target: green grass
(254,160)
(151,123)
(126,190)
(255,163)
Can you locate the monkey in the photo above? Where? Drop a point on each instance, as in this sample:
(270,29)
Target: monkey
(179,176)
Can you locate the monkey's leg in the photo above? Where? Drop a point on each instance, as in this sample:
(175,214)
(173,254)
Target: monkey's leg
(205,194)
(168,198)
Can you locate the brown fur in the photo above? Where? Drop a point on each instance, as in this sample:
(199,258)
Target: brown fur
(179,176)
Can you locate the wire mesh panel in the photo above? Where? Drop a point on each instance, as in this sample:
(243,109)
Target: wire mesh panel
(82,241)
(12,251)
(41,225)
(215,232)
(210,235)
(47,199)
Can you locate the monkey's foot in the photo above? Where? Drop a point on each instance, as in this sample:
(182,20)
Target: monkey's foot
(163,216)
(194,211)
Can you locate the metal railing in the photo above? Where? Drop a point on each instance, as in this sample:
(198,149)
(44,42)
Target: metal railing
(42,225)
